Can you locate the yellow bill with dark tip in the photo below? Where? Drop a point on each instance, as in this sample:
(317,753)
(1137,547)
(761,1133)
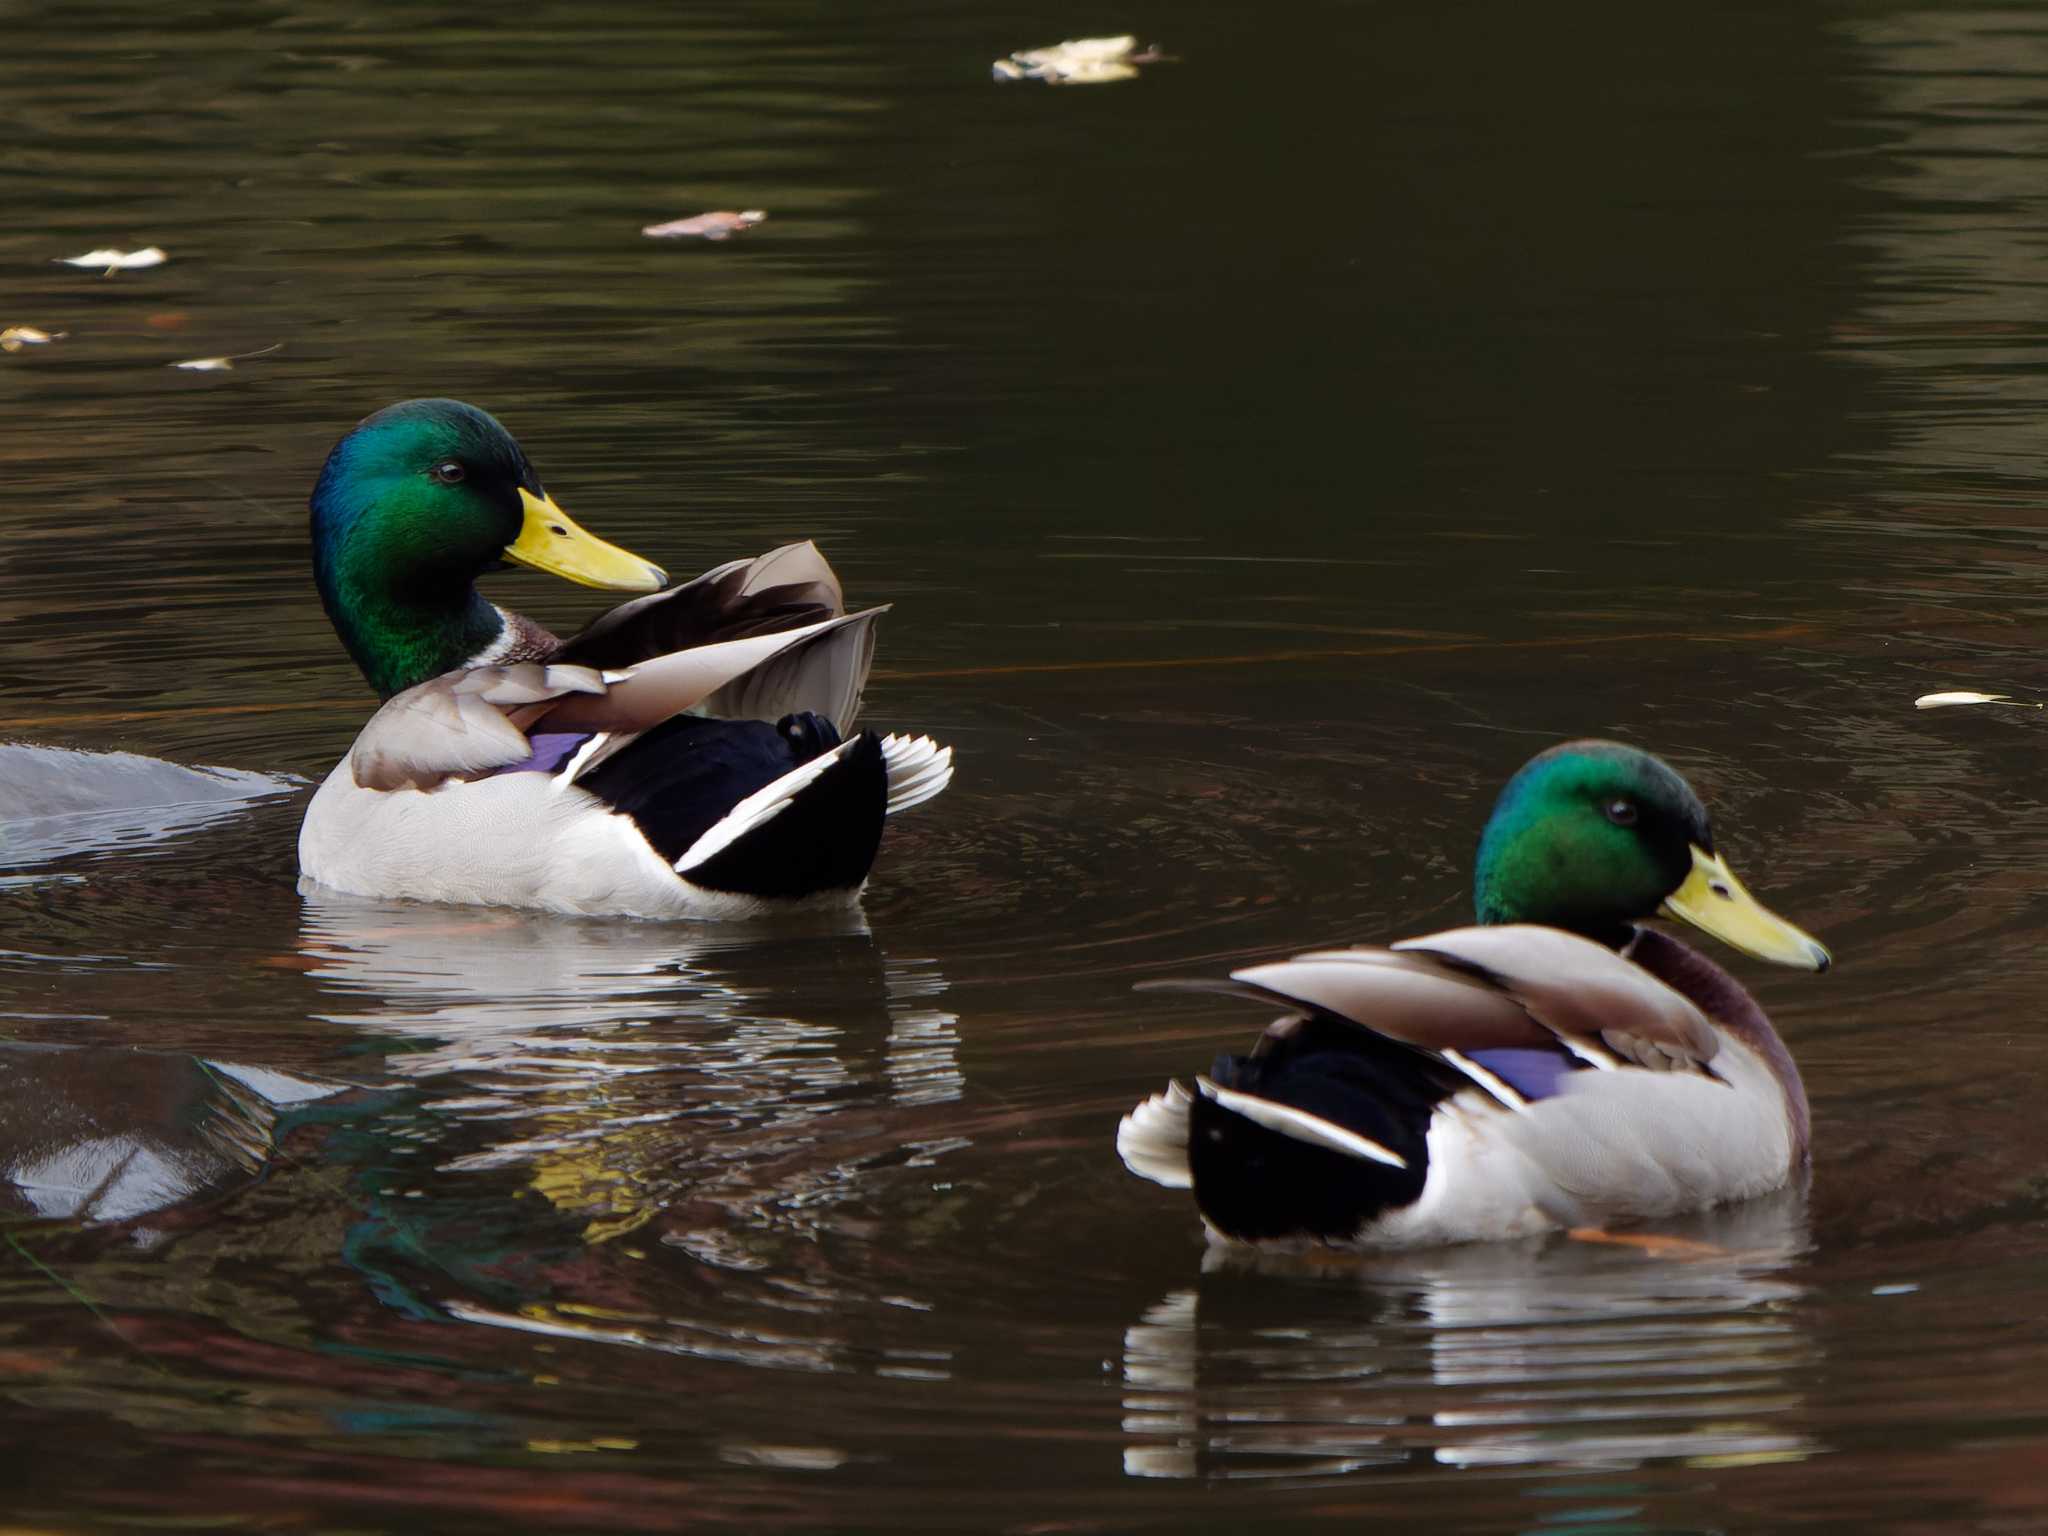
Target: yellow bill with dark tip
(549,540)
(1713,899)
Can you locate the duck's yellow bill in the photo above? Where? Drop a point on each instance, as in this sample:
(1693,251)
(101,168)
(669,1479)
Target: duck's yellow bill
(549,540)
(1713,899)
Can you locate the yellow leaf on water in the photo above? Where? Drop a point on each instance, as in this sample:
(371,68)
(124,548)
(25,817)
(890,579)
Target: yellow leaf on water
(572,1447)
(15,337)
(112,261)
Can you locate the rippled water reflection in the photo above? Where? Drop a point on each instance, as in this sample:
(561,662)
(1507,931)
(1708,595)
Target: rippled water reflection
(1263,456)
(1553,1354)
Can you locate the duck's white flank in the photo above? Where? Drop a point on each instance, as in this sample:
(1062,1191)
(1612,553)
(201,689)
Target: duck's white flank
(572,853)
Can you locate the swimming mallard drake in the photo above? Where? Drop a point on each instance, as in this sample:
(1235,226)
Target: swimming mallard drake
(689,754)
(1557,1066)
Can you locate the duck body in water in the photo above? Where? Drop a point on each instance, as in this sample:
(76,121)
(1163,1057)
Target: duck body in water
(1557,1065)
(690,754)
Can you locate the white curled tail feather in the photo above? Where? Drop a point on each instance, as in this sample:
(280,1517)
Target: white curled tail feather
(919,768)
(1153,1138)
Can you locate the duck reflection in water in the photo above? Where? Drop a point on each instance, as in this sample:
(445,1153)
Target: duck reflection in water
(641,1079)
(92,1134)
(1548,1352)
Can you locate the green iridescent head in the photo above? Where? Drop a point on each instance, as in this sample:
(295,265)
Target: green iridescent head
(1594,836)
(411,508)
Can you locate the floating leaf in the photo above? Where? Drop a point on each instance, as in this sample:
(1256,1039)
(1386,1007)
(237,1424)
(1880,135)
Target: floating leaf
(113,261)
(15,337)
(570,1447)
(223,364)
(1079,61)
(1946,700)
(706,226)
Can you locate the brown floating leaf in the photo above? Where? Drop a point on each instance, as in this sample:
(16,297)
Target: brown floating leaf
(117,261)
(15,337)
(1079,61)
(222,364)
(706,226)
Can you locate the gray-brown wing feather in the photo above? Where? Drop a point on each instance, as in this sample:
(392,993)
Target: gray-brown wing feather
(1580,989)
(1411,998)
(825,674)
(1473,989)
(820,667)
(457,724)
(785,589)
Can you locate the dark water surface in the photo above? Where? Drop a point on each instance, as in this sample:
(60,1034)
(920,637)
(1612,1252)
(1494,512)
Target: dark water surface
(1264,456)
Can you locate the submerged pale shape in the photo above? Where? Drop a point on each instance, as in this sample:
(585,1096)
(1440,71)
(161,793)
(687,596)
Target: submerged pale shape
(15,337)
(722,225)
(111,261)
(1078,61)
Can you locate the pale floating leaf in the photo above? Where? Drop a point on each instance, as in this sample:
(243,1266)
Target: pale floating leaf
(15,337)
(111,261)
(1096,50)
(223,364)
(798,1458)
(1078,61)
(1948,700)
(1094,74)
(722,225)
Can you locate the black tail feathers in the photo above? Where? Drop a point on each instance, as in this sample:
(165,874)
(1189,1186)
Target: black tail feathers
(680,779)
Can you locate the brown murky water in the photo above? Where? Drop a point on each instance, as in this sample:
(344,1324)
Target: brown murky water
(1264,456)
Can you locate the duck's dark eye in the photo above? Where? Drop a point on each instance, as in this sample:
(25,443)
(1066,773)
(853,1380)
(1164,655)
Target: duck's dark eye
(448,472)
(1621,812)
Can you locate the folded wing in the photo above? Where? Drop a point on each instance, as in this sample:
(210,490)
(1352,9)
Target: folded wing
(1510,986)
(456,725)
(787,588)
(487,718)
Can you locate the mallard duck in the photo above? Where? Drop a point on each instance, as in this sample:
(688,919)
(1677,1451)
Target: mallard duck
(1556,1066)
(690,754)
